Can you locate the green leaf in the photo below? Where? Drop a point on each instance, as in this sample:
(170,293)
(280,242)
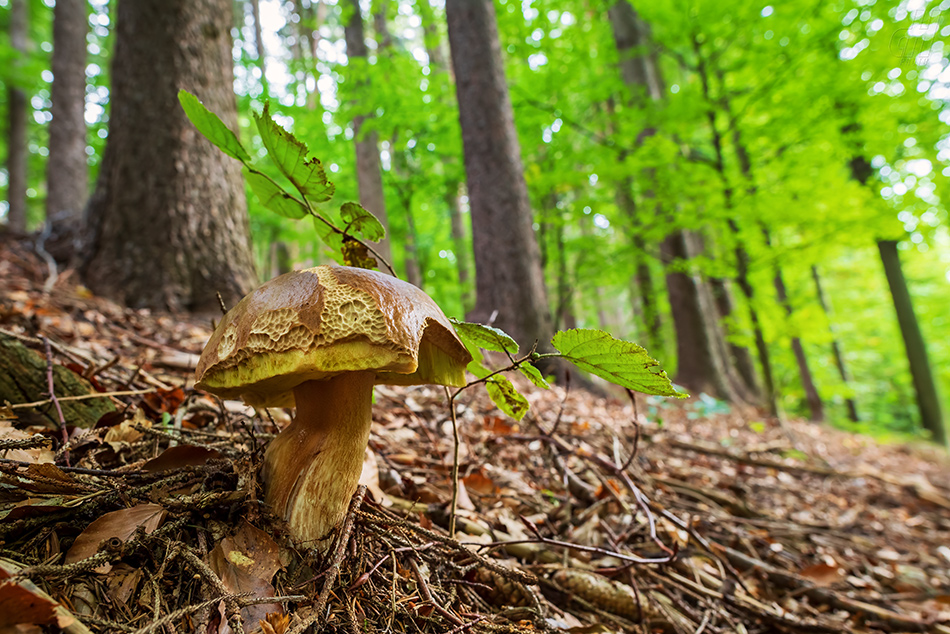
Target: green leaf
(290,155)
(534,375)
(486,337)
(356,218)
(621,362)
(211,126)
(329,237)
(506,397)
(274,197)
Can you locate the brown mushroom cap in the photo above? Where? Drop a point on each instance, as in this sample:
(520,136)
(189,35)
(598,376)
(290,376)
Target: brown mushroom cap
(319,322)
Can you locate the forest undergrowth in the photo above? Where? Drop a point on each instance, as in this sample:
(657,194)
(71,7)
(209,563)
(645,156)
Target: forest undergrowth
(591,515)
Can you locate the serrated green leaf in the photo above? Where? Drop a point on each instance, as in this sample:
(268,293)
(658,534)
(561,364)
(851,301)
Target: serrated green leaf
(290,155)
(621,362)
(274,197)
(506,397)
(486,337)
(329,237)
(357,219)
(534,375)
(211,126)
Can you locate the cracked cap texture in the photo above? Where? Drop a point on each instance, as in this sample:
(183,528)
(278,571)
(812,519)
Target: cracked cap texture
(320,322)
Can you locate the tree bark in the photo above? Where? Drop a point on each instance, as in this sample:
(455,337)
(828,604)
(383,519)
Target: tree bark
(67,172)
(17,154)
(259,44)
(508,277)
(368,169)
(439,84)
(928,402)
(702,361)
(168,224)
(835,347)
(700,367)
(815,406)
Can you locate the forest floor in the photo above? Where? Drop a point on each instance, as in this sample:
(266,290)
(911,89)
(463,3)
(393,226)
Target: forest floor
(588,516)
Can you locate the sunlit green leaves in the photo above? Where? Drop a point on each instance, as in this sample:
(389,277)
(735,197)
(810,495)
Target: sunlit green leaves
(621,362)
(290,156)
(274,197)
(506,397)
(360,221)
(486,337)
(533,375)
(211,126)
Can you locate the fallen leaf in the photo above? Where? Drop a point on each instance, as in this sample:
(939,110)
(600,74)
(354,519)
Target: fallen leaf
(120,525)
(246,562)
(821,574)
(480,483)
(180,456)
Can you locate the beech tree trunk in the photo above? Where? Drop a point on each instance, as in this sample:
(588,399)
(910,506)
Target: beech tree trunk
(701,352)
(928,402)
(368,169)
(815,406)
(168,224)
(67,172)
(835,347)
(16,122)
(259,44)
(509,280)
(438,85)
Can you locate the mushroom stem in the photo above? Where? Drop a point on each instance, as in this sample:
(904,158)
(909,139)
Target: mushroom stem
(313,466)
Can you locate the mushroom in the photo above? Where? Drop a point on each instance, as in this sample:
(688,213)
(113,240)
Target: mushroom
(320,339)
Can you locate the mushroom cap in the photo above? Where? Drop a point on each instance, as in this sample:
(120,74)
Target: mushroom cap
(317,323)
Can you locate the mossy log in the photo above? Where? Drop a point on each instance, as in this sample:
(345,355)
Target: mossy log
(23,380)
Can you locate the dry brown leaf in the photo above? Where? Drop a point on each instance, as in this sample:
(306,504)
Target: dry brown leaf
(120,524)
(8,432)
(821,574)
(480,483)
(246,562)
(180,456)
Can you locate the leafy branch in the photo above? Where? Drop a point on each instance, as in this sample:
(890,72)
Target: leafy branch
(620,362)
(305,173)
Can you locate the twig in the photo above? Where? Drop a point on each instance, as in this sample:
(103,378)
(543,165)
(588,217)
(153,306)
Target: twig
(82,397)
(52,396)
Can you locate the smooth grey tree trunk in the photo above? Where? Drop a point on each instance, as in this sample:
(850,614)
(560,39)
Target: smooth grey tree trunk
(702,361)
(67,171)
(509,280)
(928,402)
(816,407)
(368,169)
(16,121)
(439,71)
(835,346)
(168,225)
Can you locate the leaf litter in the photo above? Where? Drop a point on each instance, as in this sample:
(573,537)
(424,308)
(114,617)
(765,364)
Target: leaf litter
(588,515)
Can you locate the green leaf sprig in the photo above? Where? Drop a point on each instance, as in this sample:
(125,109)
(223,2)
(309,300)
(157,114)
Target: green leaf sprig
(305,173)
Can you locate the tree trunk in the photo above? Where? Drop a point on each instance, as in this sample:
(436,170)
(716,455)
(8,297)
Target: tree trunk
(453,202)
(835,347)
(168,222)
(645,298)
(739,355)
(16,111)
(700,367)
(259,44)
(508,277)
(368,170)
(438,84)
(815,406)
(67,173)
(927,400)
(702,362)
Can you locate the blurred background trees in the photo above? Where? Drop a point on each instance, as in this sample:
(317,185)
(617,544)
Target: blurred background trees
(724,182)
